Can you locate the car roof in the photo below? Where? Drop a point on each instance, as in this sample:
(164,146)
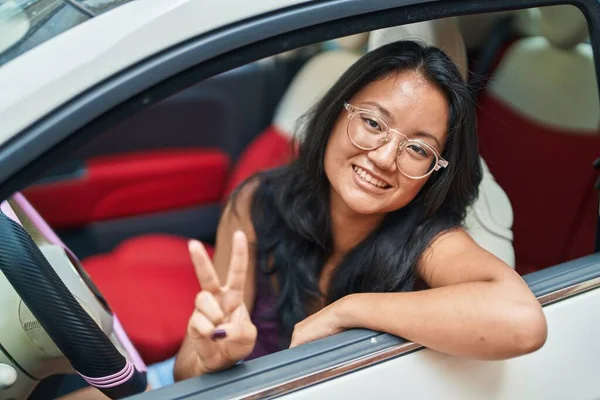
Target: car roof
(51,74)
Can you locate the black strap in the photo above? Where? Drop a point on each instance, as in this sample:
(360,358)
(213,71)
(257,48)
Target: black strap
(501,32)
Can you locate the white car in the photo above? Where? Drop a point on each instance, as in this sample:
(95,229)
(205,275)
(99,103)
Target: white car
(124,124)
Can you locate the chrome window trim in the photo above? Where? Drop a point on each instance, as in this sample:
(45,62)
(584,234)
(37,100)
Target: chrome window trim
(391,352)
(569,291)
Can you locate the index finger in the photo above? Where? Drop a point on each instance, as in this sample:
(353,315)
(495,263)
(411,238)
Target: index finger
(238,264)
(205,272)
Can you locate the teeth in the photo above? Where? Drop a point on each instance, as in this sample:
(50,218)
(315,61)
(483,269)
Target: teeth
(369,178)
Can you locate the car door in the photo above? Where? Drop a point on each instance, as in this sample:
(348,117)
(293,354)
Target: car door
(359,363)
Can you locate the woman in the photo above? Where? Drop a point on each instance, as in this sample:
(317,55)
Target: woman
(338,239)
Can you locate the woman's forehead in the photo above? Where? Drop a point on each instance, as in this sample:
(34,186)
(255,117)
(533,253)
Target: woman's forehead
(408,102)
(398,88)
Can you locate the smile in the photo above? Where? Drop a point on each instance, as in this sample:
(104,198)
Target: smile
(368,178)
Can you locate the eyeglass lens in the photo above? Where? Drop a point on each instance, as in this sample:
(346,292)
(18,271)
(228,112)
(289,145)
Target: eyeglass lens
(369,132)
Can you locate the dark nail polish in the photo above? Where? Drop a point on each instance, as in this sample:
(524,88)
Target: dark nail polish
(219,334)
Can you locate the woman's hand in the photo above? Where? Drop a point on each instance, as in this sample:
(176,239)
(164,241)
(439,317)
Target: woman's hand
(329,321)
(220,330)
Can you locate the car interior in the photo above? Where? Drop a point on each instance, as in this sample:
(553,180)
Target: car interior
(127,202)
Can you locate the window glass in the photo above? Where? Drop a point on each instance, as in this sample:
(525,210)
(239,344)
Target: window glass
(25,24)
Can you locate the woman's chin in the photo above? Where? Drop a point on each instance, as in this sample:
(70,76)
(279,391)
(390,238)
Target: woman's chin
(361,204)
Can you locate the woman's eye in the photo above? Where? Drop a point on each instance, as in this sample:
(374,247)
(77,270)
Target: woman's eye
(418,149)
(372,123)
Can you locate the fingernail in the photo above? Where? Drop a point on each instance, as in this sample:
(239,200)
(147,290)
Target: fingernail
(219,334)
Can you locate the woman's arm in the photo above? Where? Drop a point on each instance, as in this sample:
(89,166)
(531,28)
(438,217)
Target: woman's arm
(477,306)
(237,217)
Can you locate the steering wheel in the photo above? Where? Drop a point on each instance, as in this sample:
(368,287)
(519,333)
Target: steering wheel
(53,319)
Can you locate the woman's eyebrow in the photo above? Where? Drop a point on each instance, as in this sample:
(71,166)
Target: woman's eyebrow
(379,107)
(430,136)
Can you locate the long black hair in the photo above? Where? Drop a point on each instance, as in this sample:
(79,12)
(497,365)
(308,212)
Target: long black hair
(290,207)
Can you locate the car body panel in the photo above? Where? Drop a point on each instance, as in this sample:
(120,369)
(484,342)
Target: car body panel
(566,367)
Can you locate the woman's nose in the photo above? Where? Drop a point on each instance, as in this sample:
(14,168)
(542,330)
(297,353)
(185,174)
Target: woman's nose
(384,157)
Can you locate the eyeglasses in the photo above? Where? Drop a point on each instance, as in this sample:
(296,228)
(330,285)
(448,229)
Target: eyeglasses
(368,131)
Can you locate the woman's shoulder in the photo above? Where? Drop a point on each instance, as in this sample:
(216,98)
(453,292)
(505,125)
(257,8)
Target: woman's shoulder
(238,210)
(252,196)
(241,198)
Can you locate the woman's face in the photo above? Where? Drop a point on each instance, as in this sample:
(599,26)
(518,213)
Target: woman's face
(410,105)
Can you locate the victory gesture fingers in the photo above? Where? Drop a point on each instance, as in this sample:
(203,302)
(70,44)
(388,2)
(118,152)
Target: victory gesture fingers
(220,323)
(231,295)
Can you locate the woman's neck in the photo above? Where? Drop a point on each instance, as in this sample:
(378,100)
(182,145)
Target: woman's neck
(348,227)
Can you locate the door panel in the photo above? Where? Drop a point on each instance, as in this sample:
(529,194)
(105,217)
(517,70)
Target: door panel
(119,186)
(565,368)
(360,364)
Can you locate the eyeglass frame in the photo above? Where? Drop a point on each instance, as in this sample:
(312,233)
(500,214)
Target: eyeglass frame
(353,111)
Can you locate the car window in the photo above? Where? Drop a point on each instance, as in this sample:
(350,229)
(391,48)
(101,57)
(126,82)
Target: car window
(24,24)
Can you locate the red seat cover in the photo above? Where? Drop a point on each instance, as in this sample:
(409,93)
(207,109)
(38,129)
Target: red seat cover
(150,281)
(124,185)
(548,176)
(270,149)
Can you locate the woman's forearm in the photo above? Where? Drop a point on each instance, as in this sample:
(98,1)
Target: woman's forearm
(473,319)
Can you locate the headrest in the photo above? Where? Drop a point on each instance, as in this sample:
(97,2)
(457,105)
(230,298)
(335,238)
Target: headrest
(441,33)
(564,26)
(526,22)
(309,85)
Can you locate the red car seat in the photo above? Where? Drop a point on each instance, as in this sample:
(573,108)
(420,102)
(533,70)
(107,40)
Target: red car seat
(538,127)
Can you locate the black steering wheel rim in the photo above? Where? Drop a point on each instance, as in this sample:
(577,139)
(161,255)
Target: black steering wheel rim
(72,329)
